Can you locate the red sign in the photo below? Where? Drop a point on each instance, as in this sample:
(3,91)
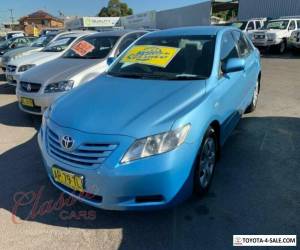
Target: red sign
(82,48)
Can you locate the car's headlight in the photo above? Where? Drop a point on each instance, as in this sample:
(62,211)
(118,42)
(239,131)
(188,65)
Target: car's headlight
(156,144)
(59,86)
(26,67)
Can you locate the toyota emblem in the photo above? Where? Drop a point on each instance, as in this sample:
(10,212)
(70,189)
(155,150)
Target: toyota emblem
(67,143)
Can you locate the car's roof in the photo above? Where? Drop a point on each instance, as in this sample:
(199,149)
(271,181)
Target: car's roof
(117,33)
(196,30)
(75,33)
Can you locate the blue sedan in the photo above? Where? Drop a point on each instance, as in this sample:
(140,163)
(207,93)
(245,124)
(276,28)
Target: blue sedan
(148,133)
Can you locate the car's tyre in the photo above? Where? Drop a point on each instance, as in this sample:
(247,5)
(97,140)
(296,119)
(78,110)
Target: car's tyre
(281,48)
(206,162)
(251,108)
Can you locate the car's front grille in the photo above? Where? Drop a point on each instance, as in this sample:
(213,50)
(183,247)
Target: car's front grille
(30,87)
(11,68)
(85,155)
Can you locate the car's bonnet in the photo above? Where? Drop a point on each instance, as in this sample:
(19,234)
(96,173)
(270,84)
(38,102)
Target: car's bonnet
(36,58)
(57,70)
(131,107)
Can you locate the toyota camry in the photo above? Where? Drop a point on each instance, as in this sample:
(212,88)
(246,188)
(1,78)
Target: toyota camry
(148,133)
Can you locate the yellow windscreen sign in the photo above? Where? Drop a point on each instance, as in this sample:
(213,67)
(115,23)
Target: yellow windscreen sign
(159,56)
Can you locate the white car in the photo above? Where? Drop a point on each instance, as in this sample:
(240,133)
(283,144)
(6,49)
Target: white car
(15,68)
(276,34)
(249,26)
(86,59)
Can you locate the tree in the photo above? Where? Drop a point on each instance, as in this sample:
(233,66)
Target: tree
(115,8)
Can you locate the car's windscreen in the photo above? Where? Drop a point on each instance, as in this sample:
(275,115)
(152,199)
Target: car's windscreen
(42,41)
(59,45)
(240,25)
(92,48)
(276,25)
(187,57)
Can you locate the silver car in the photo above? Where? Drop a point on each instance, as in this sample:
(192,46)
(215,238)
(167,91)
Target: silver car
(17,67)
(37,45)
(86,59)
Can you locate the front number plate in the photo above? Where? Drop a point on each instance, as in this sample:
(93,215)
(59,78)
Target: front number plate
(70,180)
(27,102)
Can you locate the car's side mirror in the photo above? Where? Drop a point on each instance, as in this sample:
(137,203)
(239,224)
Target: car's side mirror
(110,60)
(13,46)
(233,65)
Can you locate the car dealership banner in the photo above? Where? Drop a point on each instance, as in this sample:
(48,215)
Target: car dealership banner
(146,20)
(100,21)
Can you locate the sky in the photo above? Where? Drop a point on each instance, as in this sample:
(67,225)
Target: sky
(81,7)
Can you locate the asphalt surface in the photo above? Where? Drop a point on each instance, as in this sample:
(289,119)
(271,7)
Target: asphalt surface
(256,189)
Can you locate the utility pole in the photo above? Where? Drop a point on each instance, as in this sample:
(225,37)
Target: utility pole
(11,17)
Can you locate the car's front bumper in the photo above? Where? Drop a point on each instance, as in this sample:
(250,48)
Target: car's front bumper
(41,101)
(265,43)
(151,183)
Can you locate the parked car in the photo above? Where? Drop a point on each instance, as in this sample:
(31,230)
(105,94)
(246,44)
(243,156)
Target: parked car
(14,34)
(148,133)
(276,33)
(294,41)
(15,68)
(14,43)
(249,26)
(41,86)
(37,45)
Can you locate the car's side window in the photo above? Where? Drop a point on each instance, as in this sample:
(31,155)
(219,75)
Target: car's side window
(228,49)
(251,26)
(292,25)
(243,46)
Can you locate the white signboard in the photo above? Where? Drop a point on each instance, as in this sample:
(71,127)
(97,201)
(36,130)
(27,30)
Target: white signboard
(145,20)
(100,21)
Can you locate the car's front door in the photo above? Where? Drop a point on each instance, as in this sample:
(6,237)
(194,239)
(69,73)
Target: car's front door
(228,93)
(249,76)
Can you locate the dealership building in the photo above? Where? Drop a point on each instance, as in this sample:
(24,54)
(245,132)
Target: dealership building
(268,8)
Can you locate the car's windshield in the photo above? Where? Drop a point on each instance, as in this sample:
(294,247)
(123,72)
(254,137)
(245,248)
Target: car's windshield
(276,25)
(59,45)
(92,47)
(186,57)
(42,41)
(240,25)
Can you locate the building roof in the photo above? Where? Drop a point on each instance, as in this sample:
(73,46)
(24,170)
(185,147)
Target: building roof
(40,14)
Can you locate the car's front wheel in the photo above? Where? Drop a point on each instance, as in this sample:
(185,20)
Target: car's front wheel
(282,47)
(206,162)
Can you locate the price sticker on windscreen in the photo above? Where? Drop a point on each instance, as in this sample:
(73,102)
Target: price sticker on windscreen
(159,56)
(82,48)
